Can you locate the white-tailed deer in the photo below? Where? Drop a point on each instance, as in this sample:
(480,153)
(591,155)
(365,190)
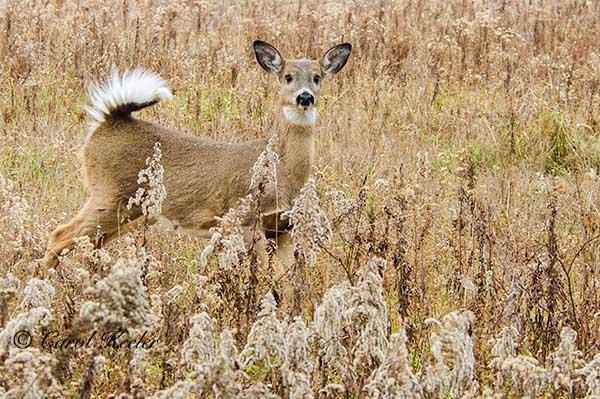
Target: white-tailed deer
(203,178)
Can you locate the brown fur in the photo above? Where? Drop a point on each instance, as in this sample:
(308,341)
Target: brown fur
(203,178)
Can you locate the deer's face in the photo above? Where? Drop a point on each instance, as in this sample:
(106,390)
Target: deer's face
(300,83)
(300,80)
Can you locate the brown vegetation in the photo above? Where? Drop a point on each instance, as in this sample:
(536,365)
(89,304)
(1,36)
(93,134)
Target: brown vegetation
(460,145)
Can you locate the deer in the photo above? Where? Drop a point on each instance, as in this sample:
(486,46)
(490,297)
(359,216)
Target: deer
(203,178)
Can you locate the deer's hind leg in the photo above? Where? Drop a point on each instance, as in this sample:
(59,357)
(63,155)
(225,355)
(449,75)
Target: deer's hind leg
(99,222)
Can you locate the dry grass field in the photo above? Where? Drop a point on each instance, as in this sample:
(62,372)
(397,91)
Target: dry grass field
(457,164)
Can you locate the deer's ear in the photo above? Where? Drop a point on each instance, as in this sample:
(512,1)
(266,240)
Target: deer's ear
(268,57)
(335,58)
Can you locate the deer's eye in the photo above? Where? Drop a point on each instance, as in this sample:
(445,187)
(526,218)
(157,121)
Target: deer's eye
(289,78)
(317,79)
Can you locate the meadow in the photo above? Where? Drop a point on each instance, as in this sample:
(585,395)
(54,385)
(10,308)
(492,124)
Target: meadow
(447,247)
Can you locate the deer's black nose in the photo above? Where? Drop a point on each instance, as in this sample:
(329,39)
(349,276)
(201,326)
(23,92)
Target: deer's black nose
(305,99)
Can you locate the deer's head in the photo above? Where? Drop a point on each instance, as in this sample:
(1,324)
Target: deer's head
(301,79)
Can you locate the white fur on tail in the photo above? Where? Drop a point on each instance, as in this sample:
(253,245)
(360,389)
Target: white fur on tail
(124,94)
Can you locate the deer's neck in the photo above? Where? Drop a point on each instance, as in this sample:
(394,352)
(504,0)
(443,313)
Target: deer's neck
(296,147)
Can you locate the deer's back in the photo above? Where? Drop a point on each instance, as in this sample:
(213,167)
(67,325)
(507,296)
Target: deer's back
(198,172)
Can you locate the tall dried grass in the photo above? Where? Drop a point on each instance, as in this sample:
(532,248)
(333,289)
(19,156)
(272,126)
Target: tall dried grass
(456,175)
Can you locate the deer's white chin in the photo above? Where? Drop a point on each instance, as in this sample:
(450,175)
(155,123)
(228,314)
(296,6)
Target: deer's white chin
(299,116)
